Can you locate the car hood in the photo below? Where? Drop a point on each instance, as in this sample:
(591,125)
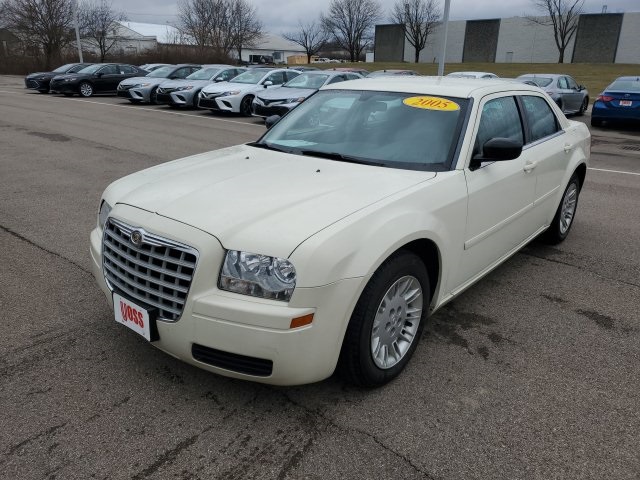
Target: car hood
(258,200)
(181,83)
(42,74)
(286,92)
(226,86)
(136,80)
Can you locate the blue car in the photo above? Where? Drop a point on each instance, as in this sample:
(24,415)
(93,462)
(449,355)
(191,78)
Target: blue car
(619,101)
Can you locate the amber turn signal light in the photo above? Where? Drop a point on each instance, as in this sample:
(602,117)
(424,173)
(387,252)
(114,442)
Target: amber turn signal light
(301,321)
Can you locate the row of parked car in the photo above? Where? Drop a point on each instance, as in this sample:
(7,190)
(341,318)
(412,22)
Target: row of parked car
(251,90)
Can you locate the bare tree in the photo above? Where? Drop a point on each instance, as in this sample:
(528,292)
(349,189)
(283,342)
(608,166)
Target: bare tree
(44,25)
(563,15)
(195,20)
(99,26)
(419,18)
(350,23)
(245,27)
(310,36)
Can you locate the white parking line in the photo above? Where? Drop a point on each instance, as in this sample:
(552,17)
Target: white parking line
(146,109)
(613,171)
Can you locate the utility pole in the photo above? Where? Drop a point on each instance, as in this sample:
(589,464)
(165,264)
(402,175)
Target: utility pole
(75,17)
(443,47)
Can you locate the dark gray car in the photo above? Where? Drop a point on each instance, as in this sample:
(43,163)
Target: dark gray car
(571,97)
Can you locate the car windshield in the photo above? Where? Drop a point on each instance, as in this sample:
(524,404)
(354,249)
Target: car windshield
(625,85)
(162,72)
(539,81)
(204,74)
(307,80)
(391,129)
(91,68)
(250,76)
(63,68)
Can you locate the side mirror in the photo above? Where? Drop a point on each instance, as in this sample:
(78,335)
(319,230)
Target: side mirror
(580,88)
(497,149)
(99,74)
(218,80)
(271,121)
(268,83)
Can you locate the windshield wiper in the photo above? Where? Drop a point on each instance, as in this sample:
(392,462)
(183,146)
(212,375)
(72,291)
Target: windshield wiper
(269,147)
(341,157)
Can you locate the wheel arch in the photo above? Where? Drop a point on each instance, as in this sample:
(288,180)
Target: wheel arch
(429,253)
(581,171)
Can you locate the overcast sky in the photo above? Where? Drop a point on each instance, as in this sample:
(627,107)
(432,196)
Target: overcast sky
(279,16)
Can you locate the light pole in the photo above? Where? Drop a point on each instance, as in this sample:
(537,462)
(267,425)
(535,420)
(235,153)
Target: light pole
(75,18)
(443,47)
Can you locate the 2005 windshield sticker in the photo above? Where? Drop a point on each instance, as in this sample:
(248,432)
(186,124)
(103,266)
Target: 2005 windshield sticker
(432,103)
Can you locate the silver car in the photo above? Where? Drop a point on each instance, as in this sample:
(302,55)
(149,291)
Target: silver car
(279,101)
(237,95)
(184,93)
(144,89)
(571,97)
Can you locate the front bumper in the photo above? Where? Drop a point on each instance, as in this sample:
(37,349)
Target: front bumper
(243,330)
(226,103)
(142,94)
(33,84)
(267,111)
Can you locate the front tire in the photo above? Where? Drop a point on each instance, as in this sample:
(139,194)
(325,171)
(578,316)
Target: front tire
(245,106)
(387,322)
(153,96)
(565,214)
(85,89)
(584,106)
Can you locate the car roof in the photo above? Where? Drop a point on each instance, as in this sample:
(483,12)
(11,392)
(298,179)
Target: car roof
(218,65)
(547,75)
(631,78)
(423,85)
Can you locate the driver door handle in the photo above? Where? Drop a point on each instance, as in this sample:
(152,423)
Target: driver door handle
(568,147)
(529,166)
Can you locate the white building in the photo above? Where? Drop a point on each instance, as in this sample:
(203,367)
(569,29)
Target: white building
(271,49)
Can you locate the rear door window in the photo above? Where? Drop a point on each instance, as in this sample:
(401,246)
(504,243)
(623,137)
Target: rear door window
(541,120)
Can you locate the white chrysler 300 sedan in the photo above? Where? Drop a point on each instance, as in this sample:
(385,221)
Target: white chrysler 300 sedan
(328,242)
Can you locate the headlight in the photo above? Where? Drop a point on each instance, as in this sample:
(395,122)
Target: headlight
(295,100)
(258,275)
(232,92)
(140,85)
(186,87)
(105,210)
(72,79)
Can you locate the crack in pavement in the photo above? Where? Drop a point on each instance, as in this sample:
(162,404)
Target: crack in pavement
(168,456)
(352,430)
(579,267)
(46,433)
(40,247)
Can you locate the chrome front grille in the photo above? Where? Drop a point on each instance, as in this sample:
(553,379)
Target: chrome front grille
(166,89)
(157,273)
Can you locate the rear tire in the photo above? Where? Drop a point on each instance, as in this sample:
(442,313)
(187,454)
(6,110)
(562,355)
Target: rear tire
(565,214)
(386,324)
(584,106)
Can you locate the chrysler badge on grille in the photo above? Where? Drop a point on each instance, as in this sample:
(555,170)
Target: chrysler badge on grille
(136,238)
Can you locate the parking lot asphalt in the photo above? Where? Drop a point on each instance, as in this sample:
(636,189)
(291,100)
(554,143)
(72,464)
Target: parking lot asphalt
(532,373)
